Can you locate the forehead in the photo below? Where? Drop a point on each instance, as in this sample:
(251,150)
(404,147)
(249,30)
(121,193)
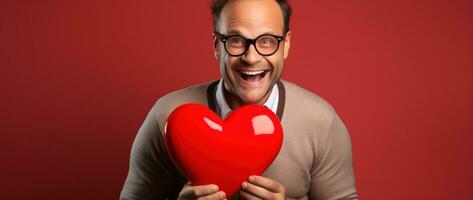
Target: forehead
(251,18)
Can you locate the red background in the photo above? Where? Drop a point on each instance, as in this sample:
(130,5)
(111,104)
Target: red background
(78,78)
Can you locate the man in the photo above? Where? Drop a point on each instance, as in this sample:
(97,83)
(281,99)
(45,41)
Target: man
(251,42)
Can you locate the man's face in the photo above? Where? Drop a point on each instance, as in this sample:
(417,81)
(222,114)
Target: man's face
(250,19)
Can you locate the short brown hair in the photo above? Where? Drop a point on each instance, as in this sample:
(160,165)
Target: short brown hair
(217,6)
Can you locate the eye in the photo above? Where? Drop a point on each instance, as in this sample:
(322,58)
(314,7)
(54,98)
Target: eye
(267,41)
(236,41)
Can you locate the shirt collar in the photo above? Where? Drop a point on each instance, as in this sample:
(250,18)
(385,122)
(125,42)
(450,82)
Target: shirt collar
(225,110)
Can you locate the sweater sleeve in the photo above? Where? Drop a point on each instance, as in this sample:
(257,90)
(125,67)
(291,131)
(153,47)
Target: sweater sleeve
(332,175)
(151,173)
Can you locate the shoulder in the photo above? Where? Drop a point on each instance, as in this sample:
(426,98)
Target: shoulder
(302,99)
(307,107)
(167,103)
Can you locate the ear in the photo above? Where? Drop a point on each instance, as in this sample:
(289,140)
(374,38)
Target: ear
(215,45)
(287,44)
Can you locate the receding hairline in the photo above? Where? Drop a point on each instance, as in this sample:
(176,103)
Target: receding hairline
(252,11)
(217,7)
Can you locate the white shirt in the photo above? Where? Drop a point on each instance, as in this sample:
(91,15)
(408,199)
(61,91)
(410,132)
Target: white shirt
(225,110)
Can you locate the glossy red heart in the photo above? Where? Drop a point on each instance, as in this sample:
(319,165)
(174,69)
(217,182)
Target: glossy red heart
(209,150)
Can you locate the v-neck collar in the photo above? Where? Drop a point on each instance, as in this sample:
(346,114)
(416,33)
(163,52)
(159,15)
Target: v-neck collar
(213,103)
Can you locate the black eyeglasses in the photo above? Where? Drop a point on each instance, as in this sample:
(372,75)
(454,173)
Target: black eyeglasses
(237,45)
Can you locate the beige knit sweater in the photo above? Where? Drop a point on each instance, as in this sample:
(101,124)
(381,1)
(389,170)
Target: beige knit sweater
(315,161)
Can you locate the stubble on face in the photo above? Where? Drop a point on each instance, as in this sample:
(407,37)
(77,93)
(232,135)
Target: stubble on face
(250,18)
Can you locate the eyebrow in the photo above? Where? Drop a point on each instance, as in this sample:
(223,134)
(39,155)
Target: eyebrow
(232,32)
(237,32)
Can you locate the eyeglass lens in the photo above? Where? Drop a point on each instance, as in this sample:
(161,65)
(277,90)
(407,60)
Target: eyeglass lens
(265,45)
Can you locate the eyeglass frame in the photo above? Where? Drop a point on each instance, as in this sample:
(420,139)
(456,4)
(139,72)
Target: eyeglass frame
(223,38)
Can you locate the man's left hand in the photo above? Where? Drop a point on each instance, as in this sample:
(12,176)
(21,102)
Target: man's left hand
(258,187)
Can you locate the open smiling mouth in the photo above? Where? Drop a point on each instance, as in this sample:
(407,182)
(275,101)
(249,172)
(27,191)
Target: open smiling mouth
(253,76)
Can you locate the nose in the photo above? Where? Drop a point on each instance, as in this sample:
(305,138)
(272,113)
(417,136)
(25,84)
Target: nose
(251,56)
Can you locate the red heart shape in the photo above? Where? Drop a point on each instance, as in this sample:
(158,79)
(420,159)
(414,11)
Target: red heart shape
(209,150)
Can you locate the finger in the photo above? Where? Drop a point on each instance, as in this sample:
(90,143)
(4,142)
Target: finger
(255,190)
(248,196)
(214,196)
(267,183)
(201,190)
(186,191)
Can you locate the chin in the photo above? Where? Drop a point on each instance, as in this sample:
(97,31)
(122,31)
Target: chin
(252,98)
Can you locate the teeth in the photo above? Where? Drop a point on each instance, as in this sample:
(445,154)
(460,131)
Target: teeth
(252,73)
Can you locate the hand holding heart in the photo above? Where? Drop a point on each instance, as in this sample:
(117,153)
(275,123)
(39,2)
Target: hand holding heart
(259,187)
(209,192)
(209,150)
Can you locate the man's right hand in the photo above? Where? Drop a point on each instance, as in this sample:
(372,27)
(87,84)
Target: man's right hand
(207,192)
